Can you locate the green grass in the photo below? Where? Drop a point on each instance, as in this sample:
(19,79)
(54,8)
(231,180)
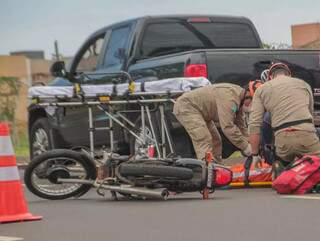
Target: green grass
(21,148)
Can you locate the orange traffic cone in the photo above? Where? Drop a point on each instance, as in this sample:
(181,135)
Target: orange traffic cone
(13,206)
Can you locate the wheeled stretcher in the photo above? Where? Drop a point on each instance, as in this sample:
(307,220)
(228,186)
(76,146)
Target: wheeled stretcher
(144,97)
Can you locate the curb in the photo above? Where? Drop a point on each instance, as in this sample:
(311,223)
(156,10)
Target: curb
(22,165)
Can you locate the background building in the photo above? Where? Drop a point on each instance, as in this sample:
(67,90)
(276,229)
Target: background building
(30,54)
(29,67)
(306,36)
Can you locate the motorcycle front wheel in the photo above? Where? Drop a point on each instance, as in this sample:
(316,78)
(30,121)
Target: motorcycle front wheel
(42,174)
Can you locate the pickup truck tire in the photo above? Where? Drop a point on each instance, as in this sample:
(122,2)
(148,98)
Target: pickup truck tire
(41,139)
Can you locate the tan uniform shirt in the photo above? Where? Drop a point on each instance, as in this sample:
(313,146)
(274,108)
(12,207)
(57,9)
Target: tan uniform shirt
(220,103)
(287,99)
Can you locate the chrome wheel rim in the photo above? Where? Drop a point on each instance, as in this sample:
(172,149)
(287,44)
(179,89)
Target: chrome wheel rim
(40,176)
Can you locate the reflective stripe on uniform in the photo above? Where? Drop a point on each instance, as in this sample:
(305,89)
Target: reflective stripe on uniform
(9,174)
(6,148)
(254,172)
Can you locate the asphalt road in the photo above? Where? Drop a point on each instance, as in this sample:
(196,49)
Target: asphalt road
(230,215)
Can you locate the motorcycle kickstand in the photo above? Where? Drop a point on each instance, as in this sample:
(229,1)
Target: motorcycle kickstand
(206,190)
(114,196)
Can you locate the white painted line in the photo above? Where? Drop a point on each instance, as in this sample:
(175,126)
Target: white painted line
(309,197)
(4,238)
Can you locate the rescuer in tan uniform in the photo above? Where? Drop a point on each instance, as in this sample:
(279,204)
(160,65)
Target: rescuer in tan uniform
(290,103)
(198,110)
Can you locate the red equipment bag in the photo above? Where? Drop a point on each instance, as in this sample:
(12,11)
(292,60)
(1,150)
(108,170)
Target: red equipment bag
(299,177)
(223,176)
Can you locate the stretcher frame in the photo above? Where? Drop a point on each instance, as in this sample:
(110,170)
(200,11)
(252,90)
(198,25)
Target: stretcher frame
(142,99)
(106,104)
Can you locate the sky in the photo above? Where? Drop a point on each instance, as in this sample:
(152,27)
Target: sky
(35,24)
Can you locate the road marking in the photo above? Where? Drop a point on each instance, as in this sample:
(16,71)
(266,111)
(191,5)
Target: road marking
(303,197)
(4,238)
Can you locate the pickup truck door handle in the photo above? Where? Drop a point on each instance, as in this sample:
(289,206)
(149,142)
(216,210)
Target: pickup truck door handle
(265,62)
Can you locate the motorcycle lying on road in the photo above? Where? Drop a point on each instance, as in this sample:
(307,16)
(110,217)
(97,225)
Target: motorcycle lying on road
(62,173)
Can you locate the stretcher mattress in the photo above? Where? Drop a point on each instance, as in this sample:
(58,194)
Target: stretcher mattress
(159,86)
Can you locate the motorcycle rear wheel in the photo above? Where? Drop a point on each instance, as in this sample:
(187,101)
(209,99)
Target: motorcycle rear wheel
(43,172)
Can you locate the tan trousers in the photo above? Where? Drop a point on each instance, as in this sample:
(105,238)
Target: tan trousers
(295,144)
(204,135)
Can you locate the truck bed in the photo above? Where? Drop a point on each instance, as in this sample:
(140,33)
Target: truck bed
(240,65)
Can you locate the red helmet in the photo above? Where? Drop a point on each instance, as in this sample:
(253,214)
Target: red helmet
(253,86)
(277,66)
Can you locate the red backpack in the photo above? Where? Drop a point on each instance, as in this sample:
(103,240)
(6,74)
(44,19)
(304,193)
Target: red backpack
(299,177)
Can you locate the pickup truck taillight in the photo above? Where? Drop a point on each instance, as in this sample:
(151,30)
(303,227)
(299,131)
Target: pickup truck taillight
(196,70)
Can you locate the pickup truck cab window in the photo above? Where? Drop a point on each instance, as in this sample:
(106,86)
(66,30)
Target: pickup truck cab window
(89,59)
(116,49)
(171,37)
(165,38)
(228,35)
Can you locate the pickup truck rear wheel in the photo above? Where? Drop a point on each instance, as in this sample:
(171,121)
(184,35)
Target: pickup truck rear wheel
(40,140)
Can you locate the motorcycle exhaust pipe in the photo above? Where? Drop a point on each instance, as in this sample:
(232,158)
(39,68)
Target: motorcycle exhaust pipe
(145,192)
(161,193)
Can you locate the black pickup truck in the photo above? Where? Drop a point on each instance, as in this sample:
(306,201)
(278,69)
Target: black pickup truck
(221,48)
